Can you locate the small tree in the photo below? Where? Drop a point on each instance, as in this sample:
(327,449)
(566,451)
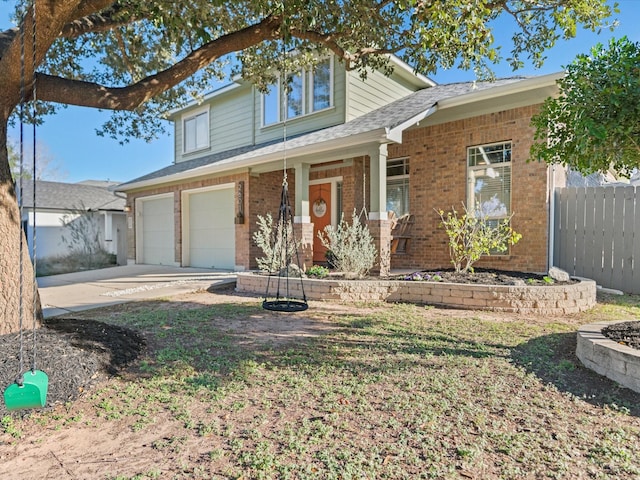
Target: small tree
(351,245)
(270,239)
(594,125)
(473,235)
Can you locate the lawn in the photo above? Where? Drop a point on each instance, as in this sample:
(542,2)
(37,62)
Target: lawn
(225,389)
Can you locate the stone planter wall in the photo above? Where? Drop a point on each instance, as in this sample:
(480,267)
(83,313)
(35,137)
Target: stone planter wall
(618,362)
(554,299)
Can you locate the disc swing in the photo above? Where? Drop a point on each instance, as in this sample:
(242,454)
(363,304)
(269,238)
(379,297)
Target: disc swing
(30,388)
(285,248)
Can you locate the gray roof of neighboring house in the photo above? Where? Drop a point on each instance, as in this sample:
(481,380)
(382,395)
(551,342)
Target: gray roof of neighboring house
(388,116)
(70,196)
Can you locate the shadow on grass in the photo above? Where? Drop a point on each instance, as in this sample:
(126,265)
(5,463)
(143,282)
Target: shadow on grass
(552,358)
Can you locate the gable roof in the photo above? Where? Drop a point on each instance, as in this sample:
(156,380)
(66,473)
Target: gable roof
(71,196)
(383,125)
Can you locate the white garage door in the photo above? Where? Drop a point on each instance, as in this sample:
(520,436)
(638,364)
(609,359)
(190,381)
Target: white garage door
(212,233)
(158,231)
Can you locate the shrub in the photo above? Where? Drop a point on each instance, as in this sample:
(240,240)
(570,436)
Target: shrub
(270,239)
(472,236)
(352,249)
(317,271)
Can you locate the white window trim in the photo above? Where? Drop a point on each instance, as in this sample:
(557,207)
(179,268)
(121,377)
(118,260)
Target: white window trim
(479,167)
(188,116)
(279,106)
(303,78)
(404,176)
(331,85)
(307,98)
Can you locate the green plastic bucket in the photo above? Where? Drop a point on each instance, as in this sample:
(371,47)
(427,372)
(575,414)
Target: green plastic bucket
(31,394)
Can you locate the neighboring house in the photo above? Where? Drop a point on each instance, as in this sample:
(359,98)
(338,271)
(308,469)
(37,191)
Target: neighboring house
(399,143)
(58,205)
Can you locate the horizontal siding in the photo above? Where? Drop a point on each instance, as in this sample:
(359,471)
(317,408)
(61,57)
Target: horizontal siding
(232,120)
(378,90)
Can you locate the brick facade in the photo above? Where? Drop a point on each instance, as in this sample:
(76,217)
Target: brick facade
(438,172)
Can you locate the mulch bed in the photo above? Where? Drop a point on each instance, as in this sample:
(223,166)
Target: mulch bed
(626,333)
(482,276)
(74,354)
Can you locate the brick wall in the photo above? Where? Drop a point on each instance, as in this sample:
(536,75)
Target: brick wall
(242,230)
(438,159)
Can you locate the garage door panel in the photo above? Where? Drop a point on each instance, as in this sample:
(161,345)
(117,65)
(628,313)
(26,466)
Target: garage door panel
(158,231)
(212,229)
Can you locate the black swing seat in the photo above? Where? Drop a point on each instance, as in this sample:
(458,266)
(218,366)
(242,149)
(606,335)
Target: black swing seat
(30,391)
(287,306)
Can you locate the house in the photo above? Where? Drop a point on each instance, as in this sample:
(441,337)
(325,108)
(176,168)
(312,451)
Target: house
(61,205)
(397,143)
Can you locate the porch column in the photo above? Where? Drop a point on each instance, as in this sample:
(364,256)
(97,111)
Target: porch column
(379,224)
(303,228)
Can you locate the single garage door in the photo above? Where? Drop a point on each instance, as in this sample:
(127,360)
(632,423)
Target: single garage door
(212,233)
(157,231)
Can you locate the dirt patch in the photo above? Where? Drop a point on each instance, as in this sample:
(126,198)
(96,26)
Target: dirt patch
(626,333)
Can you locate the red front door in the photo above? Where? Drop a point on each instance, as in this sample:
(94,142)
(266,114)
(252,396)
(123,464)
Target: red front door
(320,209)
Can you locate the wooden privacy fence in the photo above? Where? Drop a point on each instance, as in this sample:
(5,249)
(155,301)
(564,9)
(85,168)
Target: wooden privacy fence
(595,235)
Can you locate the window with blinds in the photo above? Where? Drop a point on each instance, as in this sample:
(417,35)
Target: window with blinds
(489,180)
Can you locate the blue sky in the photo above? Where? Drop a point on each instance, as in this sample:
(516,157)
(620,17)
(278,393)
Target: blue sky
(77,153)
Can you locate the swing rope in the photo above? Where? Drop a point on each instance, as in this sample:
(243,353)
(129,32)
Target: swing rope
(28,391)
(35,174)
(281,242)
(22,230)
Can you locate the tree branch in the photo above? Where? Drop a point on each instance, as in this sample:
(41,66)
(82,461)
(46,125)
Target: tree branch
(87,21)
(87,94)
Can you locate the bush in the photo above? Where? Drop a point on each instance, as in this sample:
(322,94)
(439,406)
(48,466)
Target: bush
(472,236)
(317,271)
(351,245)
(270,240)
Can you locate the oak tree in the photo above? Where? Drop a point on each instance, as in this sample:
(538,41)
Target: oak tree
(140,58)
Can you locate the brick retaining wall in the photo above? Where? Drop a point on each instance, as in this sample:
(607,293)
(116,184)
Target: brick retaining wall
(555,299)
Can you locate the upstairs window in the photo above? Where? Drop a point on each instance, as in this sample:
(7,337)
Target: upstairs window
(271,105)
(489,180)
(398,186)
(195,131)
(295,96)
(307,92)
(321,86)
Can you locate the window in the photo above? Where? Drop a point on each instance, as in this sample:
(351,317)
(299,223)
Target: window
(307,92)
(398,186)
(195,131)
(295,96)
(489,180)
(271,105)
(321,82)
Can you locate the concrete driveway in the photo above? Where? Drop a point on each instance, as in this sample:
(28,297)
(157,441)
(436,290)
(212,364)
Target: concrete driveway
(74,292)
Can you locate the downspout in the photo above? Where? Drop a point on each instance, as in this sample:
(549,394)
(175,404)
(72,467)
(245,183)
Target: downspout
(552,215)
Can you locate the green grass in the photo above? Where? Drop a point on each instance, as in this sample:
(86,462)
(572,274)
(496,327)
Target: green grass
(388,391)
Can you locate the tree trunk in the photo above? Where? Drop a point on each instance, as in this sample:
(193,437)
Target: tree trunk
(15,301)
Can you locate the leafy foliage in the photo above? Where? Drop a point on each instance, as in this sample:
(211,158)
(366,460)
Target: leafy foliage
(473,235)
(594,125)
(277,244)
(127,43)
(351,246)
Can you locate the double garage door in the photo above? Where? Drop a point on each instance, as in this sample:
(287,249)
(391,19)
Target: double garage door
(208,237)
